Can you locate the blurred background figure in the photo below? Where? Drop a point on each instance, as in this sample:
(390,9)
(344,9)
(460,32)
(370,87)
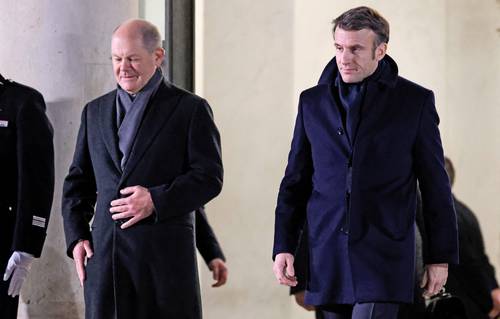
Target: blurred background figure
(210,249)
(473,279)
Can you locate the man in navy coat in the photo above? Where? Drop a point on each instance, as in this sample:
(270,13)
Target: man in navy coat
(363,138)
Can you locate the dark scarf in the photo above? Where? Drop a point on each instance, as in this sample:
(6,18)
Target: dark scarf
(130,111)
(351,96)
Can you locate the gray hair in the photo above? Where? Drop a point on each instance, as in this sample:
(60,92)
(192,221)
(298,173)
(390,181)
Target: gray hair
(151,37)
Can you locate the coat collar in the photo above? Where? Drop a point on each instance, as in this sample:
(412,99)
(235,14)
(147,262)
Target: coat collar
(388,76)
(159,110)
(107,125)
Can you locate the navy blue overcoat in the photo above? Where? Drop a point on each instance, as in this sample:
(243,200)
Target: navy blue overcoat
(362,246)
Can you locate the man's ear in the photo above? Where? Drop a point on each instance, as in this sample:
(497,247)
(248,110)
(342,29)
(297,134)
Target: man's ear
(380,51)
(159,56)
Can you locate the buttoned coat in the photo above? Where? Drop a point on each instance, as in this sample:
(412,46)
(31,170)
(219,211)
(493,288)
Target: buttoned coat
(148,270)
(362,246)
(26,177)
(26,169)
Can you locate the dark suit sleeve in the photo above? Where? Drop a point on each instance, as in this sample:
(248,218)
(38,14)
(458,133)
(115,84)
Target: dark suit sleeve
(294,192)
(79,191)
(35,158)
(206,241)
(437,203)
(202,180)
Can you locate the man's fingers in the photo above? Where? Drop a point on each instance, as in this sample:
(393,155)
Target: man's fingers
(119,201)
(215,273)
(128,190)
(88,249)
(124,215)
(8,272)
(288,282)
(119,209)
(130,222)
(11,288)
(283,269)
(221,276)
(14,288)
(423,282)
(80,270)
(290,271)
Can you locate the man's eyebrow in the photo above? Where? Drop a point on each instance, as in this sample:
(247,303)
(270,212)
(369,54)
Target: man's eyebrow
(355,46)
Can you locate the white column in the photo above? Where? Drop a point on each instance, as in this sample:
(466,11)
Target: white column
(62,49)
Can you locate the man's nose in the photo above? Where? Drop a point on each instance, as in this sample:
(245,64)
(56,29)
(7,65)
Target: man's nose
(125,64)
(346,57)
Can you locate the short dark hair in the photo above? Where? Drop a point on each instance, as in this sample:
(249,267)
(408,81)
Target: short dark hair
(363,18)
(450,170)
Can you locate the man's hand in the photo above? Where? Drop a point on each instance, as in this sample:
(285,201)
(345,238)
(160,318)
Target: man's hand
(219,271)
(495,298)
(299,299)
(18,266)
(135,207)
(81,252)
(283,269)
(434,279)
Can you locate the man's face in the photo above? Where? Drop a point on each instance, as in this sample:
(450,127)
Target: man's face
(355,54)
(133,65)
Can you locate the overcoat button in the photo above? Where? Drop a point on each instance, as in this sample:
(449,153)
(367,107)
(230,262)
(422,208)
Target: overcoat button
(340,131)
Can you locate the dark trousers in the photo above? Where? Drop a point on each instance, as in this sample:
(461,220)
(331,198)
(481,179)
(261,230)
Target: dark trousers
(373,310)
(8,305)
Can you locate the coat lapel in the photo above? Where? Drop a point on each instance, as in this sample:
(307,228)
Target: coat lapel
(107,116)
(158,111)
(374,108)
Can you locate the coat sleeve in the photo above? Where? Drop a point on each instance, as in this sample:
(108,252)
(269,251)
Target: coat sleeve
(79,191)
(202,179)
(206,241)
(437,203)
(295,190)
(35,158)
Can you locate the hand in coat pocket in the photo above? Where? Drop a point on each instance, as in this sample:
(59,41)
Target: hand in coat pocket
(136,206)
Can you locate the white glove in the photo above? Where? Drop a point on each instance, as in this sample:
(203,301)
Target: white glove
(18,266)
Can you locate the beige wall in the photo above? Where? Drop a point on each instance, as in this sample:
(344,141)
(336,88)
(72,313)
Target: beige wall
(256,58)
(473,111)
(248,80)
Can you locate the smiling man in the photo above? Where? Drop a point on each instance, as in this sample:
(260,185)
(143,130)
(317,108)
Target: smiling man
(363,138)
(147,155)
